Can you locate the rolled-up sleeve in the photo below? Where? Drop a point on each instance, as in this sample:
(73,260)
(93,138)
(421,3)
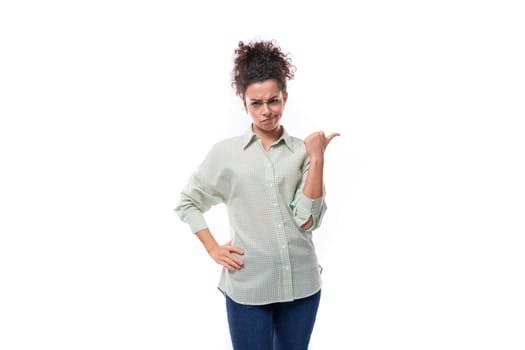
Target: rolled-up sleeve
(204,189)
(303,207)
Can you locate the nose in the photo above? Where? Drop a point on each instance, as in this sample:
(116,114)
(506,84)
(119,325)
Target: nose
(266,110)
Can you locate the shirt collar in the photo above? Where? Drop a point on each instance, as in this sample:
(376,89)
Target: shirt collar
(249,137)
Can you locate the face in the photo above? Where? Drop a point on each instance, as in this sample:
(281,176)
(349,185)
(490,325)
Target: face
(264,103)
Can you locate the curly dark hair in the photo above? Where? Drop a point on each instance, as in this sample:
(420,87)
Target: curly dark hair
(259,61)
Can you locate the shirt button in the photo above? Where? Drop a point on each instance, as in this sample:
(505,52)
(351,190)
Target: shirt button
(271,185)
(275,205)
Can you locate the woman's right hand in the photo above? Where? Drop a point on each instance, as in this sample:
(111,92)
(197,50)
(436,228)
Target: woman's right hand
(223,255)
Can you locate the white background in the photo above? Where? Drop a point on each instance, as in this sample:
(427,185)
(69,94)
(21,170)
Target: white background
(107,107)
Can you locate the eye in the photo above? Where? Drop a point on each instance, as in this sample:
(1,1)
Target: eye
(256,103)
(273,101)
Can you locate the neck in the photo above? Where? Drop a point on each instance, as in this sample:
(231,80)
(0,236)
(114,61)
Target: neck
(268,135)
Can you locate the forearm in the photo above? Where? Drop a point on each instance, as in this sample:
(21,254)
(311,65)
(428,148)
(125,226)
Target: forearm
(313,187)
(207,239)
(225,255)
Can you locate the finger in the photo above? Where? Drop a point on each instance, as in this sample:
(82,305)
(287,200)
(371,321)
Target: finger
(238,262)
(235,261)
(314,135)
(331,136)
(228,267)
(236,250)
(230,264)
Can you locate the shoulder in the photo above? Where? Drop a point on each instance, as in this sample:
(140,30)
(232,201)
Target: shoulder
(226,147)
(296,140)
(297,144)
(228,143)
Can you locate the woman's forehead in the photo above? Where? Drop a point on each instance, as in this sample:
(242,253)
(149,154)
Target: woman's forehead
(263,89)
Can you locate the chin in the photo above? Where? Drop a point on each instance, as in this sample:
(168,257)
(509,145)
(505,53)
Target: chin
(270,127)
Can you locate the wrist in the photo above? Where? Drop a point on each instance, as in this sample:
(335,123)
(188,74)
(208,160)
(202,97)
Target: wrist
(316,159)
(207,240)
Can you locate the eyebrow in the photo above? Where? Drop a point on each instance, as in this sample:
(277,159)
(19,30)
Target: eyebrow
(259,99)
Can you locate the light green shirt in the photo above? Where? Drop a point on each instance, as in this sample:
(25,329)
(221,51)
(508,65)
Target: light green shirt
(262,191)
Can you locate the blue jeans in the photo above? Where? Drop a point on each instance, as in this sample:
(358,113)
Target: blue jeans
(278,326)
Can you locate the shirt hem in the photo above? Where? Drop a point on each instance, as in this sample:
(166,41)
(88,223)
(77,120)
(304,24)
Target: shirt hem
(223,292)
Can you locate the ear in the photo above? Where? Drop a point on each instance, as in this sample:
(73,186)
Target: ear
(285,96)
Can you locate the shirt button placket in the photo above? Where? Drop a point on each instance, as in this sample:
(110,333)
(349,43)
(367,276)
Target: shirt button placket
(282,242)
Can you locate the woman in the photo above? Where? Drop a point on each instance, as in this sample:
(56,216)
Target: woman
(272,186)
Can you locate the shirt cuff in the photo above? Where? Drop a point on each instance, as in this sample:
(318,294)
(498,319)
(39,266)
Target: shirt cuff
(307,207)
(196,221)
(310,205)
